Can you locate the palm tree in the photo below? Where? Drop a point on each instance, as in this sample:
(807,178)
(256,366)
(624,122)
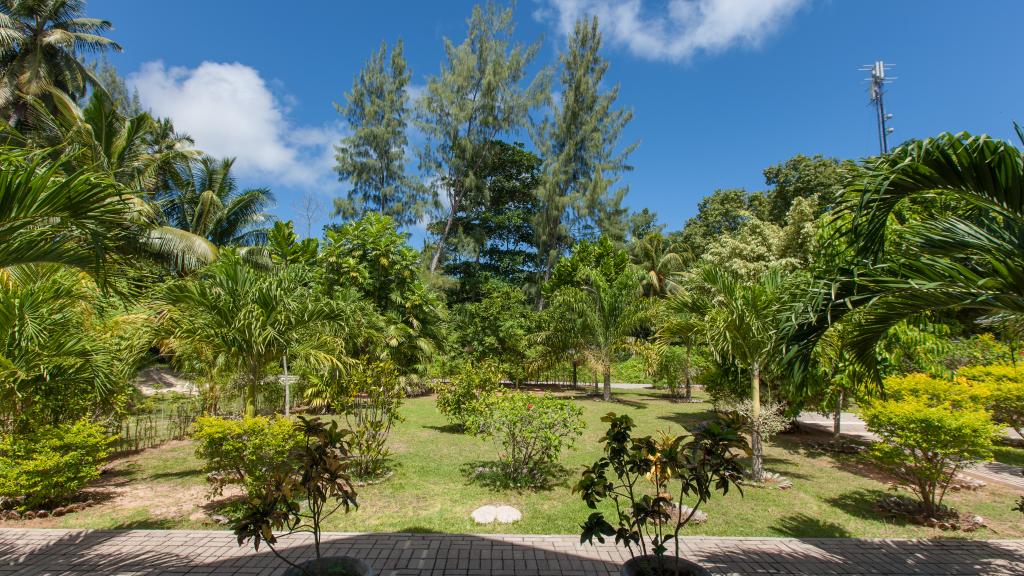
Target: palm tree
(207,203)
(137,152)
(661,264)
(609,313)
(742,327)
(974,260)
(235,320)
(81,219)
(40,45)
(59,359)
(681,322)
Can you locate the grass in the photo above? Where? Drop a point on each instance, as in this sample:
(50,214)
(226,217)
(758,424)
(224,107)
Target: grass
(432,488)
(1012,455)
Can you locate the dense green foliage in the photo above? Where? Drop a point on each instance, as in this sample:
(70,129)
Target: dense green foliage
(52,463)
(246,451)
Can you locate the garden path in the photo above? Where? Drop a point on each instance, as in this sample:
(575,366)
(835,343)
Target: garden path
(854,427)
(154,552)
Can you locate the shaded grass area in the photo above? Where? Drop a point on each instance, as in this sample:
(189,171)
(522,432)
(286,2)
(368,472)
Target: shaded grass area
(436,484)
(1012,455)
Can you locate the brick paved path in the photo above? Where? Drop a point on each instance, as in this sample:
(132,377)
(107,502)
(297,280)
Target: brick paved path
(151,552)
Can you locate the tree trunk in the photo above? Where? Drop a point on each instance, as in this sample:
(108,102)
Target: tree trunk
(607,384)
(444,237)
(250,398)
(575,366)
(836,418)
(686,376)
(757,450)
(287,389)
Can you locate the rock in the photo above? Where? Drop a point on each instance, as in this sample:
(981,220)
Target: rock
(501,514)
(699,517)
(484,514)
(219,519)
(42,514)
(59,511)
(30,515)
(507,515)
(10,515)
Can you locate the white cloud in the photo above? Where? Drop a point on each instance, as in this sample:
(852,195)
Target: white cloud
(680,30)
(230,111)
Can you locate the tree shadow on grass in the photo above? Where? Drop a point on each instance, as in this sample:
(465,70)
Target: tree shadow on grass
(862,504)
(448,429)
(487,473)
(804,526)
(190,473)
(689,420)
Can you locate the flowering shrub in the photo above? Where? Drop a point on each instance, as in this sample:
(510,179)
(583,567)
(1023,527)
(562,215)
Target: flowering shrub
(531,431)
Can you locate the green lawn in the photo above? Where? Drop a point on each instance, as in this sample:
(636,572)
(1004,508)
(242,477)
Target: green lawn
(432,489)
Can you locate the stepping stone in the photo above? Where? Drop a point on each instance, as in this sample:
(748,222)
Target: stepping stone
(501,514)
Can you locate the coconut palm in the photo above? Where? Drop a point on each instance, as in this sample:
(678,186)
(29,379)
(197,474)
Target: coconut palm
(971,260)
(138,153)
(608,313)
(207,202)
(742,322)
(661,264)
(238,321)
(40,45)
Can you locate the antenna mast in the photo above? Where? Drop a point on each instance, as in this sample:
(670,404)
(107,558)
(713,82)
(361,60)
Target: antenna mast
(878,81)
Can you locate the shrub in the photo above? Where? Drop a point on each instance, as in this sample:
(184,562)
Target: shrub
(52,463)
(374,394)
(935,392)
(458,396)
(925,445)
(1005,385)
(244,451)
(532,430)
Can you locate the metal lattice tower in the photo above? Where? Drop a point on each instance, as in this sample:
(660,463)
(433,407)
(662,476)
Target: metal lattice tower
(878,81)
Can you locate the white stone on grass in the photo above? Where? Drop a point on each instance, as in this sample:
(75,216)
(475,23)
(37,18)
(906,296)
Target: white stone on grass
(503,514)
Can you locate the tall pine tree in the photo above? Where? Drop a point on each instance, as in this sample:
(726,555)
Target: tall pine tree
(372,159)
(580,148)
(477,98)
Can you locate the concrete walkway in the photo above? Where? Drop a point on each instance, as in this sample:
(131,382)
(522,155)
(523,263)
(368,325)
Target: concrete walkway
(852,426)
(154,552)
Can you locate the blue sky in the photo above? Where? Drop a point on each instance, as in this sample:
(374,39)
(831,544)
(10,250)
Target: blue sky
(720,89)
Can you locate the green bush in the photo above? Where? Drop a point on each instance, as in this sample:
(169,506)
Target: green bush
(924,445)
(1005,387)
(53,463)
(531,430)
(458,395)
(936,392)
(244,451)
